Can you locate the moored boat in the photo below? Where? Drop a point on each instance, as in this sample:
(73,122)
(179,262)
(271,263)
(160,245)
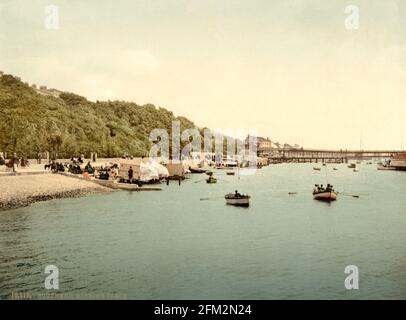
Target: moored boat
(385,167)
(317,168)
(197,170)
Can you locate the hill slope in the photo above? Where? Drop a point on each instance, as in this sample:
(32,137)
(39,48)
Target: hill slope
(72,125)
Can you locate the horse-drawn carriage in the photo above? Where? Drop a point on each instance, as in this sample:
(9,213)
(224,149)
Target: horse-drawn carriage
(14,162)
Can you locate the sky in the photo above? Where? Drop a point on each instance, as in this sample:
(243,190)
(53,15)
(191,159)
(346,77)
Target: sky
(288,69)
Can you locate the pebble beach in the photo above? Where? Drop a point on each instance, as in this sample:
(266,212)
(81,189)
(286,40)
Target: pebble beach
(23,190)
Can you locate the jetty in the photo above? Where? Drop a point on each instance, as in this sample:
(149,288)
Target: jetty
(123,186)
(327,156)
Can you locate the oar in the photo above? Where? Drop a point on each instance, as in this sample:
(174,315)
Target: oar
(348,195)
(209,198)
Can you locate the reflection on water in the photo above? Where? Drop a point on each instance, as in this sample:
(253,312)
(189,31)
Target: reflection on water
(171,245)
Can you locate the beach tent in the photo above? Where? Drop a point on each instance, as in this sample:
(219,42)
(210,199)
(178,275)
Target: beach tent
(162,170)
(175,169)
(147,171)
(143,170)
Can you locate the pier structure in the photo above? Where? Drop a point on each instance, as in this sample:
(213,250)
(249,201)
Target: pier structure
(327,156)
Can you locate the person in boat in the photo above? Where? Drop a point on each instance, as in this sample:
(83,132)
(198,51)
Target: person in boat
(237,194)
(131,174)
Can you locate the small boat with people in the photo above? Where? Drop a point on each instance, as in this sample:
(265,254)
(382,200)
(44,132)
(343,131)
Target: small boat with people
(324,193)
(352,165)
(211,179)
(237,199)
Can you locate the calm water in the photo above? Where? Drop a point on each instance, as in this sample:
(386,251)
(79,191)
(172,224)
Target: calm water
(171,245)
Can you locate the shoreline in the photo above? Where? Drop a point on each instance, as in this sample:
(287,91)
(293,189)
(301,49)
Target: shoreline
(23,190)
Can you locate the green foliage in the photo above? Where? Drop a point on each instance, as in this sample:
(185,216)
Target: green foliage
(72,125)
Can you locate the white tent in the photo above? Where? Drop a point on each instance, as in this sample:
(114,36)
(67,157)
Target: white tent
(162,171)
(148,172)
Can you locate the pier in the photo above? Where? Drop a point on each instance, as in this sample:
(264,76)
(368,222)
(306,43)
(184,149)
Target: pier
(327,156)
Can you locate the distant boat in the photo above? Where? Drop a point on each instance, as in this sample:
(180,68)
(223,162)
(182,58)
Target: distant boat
(352,165)
(316,168)
(230,173)
(211,180)
(197,170)
(386,168)
(335,168)
(236,199)
(355,170)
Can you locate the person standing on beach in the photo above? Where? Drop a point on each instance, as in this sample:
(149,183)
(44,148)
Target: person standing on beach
(15,161)
(131,174)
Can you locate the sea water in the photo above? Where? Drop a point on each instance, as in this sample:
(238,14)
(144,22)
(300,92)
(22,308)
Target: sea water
(173,245)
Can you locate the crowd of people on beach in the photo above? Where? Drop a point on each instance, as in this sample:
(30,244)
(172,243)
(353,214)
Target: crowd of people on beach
(73,167)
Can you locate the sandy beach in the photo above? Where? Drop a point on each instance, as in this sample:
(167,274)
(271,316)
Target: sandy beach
(23,190)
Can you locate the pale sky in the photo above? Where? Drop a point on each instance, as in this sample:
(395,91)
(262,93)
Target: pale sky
(286,68)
